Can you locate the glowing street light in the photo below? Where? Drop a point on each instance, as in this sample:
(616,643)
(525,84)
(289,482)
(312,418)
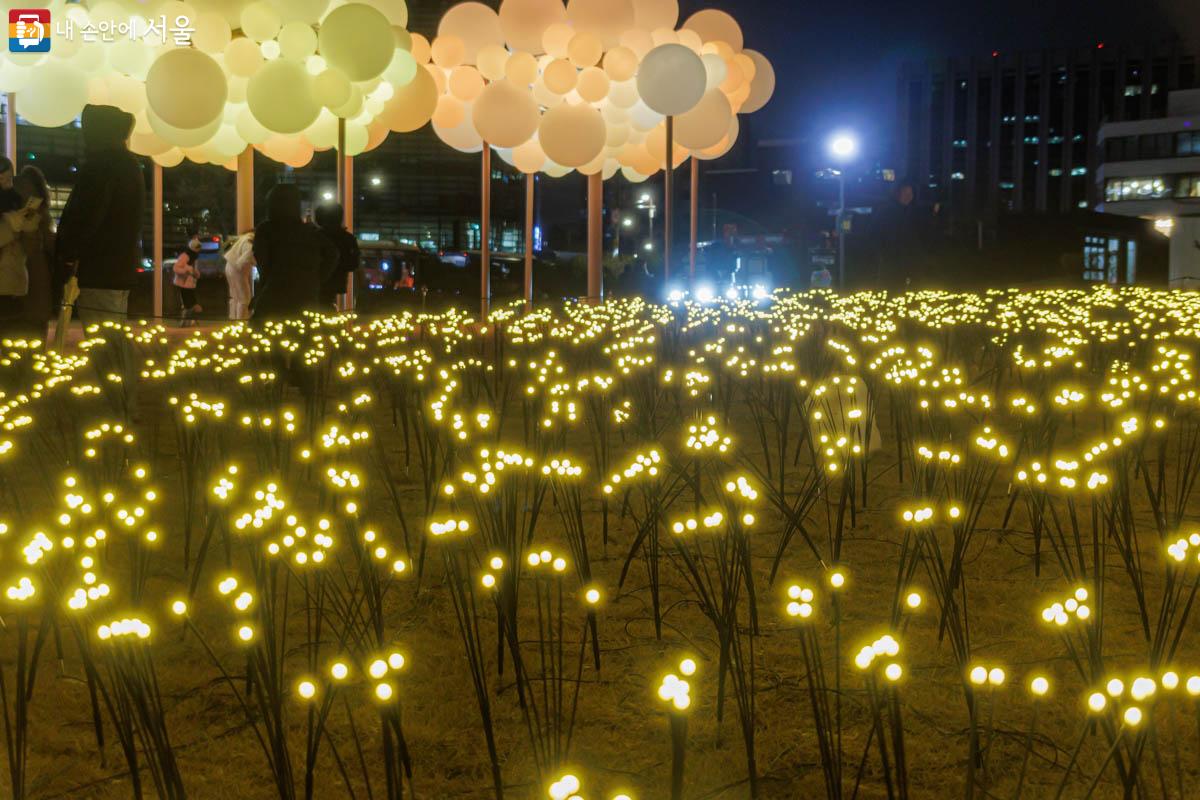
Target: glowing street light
(376,180)
(843,146)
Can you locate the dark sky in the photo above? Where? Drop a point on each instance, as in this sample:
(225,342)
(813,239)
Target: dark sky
(837,60)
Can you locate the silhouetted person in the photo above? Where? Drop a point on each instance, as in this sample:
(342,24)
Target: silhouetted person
(330,218)
(100,231)
(294,258)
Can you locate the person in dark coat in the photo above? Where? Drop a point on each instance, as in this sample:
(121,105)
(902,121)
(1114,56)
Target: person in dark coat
(330,218)
(99,234)
(294,258)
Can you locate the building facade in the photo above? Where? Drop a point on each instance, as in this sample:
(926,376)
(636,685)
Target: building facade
(1151,170)
(1018,132)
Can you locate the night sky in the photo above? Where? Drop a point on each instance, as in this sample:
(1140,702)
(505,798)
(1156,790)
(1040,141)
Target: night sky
(837,60)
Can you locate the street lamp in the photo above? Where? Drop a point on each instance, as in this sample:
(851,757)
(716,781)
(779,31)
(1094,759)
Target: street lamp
(376,180)
(646,203)
(843,147)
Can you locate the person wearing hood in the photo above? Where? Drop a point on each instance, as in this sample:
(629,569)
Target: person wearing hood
(17,220)
(294,258)
(187,273)
(99,234)
(330,217)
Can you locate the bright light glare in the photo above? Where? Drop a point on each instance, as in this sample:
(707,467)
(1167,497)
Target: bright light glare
(843,146)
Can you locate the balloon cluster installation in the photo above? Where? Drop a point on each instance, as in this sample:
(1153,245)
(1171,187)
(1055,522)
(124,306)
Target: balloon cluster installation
(588,85)
(274,74)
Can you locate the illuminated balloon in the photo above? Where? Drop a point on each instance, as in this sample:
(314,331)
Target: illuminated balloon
(212,34)
(524,22)
(716,26)
(148,144)
(402,69)
(411,106)
(529,157)
(297,40)
(492,61)
(650,15)
(182,137)
(332,89)
(243,57)
(716,69)
(572,135)
(463,138)
(449,113)
(477,25)
(521,69)
(560,76)
(672,79)
(606,19)
(421,50)
(280,97)
(250,128)
(593,85)
(448,51)
(260,21)
(621,64)
(308,12)
(357,39)
(706,124)
(396,11)
(763,85)
(505,115)
(186,88)
(585,50)
(171,158)
(465,83)
(557,40)
(55,95)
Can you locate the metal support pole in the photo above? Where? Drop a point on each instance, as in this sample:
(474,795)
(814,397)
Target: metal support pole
(841,223)
(485,231)
(245,191)
(348,220)
(529,243)
(10,129)
(692,251)
(668,191)
(157,254)
(345,195)
(595,245)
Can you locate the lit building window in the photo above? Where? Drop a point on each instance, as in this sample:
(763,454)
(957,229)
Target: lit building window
(1054,173)
(1133,90)
(955,176)
(1119,189)
(1077,171)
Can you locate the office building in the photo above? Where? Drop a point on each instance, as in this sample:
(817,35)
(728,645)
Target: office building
(1151,170)
(1018,132)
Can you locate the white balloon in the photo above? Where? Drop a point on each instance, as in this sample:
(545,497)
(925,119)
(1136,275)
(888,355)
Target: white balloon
(672,79)
(505,115)
(477,25)
(54,96)
(280,97)
(186,88)
(525,21)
